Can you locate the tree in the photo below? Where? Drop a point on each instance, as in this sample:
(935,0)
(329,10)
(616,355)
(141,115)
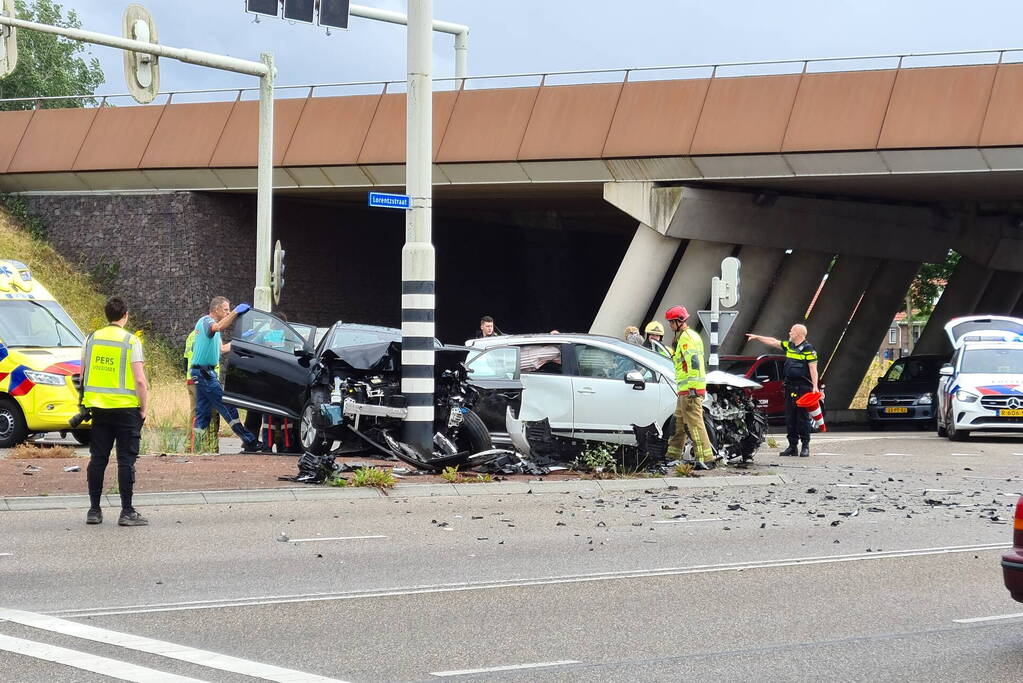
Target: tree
(50,65)
(930,282)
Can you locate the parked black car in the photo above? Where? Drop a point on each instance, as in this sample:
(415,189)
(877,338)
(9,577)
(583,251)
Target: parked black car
(347,387)
(906,393)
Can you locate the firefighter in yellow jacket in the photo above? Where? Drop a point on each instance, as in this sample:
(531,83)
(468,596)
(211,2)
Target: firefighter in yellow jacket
(114,390)
(691,386)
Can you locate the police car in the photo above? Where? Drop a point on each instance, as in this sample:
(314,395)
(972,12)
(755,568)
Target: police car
(40,359)
(981,388)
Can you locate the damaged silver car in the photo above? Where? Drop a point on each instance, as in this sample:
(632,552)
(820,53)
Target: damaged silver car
(576,388)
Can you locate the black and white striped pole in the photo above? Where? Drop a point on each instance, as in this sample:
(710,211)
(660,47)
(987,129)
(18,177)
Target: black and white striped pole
(723,290)
(417,256)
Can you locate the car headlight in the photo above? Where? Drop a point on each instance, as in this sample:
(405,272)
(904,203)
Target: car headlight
(872,400)
(45,378)
(966,397)
(925,400)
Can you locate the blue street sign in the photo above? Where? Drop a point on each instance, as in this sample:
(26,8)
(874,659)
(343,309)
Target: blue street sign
(382,200)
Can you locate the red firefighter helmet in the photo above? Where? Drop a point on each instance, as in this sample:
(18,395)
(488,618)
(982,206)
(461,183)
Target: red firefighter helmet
(676,313)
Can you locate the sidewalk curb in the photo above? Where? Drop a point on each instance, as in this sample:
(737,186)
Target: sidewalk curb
(21,503)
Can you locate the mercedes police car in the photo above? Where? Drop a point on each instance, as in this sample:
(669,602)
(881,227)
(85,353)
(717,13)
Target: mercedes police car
(981,388)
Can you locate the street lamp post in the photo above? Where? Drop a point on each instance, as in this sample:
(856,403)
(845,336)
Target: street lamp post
(418,288)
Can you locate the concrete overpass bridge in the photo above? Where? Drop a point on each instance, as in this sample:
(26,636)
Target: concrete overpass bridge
(627,194)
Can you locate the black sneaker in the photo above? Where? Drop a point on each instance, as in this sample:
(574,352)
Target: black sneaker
(131,518)
(788,452)
(805,451)
(94,516)
(253,447)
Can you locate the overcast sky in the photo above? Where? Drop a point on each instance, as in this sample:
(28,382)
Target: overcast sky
(549,35)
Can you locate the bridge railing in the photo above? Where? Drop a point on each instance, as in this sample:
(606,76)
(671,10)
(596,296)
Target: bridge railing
(712,70)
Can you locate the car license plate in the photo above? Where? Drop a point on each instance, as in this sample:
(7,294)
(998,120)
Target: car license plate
(896,410)
(1010,413)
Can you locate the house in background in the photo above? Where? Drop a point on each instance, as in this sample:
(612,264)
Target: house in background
(896,340)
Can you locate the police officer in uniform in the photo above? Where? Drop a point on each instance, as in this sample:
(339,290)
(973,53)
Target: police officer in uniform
(800,377)
(114,389)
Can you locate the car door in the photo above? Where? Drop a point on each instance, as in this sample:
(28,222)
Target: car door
(606,406)
(546,388)
(263,372)
(495,374)
(771,398)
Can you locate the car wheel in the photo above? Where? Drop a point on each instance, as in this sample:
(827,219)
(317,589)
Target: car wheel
(473,435)
(82,436)
(312,437)
(12,424)
(956,434)
(940,427)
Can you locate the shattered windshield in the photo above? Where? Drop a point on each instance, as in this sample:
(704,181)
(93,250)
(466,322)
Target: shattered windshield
(37,323)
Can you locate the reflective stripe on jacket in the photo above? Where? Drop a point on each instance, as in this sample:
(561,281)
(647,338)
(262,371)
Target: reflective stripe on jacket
(107,377)
(688,357)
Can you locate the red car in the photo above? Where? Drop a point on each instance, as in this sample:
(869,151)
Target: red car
(1012,561)
(766,370)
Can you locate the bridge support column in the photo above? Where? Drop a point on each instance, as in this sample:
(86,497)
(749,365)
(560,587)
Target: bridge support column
(884,296)
(636,283)
(1002,293)
(790,294)
(690,284)
(842,291)
(961,295)
(759,267)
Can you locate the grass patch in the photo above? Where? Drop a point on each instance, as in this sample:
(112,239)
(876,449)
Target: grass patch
(27,451)
(772,442)
(453,476)
(685,469)
(339,482)
(372,477)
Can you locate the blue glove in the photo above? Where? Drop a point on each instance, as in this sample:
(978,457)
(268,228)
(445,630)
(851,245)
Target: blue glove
(241,309)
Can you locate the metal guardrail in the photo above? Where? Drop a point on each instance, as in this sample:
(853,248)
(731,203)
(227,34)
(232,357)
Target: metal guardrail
(626,73)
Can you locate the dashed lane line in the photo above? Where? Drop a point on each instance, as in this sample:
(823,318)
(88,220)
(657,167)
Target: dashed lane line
(183,653)
(122,671)
(335,538)
(257,601)
(998,617)
(510,667)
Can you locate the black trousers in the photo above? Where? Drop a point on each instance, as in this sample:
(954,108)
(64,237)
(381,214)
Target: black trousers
(123,426)
(797,420)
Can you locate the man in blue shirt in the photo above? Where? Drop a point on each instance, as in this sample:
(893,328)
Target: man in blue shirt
(209,394)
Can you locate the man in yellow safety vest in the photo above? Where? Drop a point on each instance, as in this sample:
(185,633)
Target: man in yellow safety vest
(115,391)
(691,385)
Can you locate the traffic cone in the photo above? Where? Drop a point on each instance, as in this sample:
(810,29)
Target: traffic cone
(811,401)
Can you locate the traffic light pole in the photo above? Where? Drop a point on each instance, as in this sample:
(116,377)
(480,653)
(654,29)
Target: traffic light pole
(264,70)
(417,257)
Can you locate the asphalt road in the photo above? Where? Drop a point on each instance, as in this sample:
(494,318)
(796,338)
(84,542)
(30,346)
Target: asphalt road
(878,561)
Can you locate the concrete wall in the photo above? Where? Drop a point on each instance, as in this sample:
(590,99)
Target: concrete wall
(174,251)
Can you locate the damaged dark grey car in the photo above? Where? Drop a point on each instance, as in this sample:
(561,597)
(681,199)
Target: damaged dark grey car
(345,391)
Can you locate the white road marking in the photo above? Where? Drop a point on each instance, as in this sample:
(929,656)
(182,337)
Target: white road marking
(899,454)
(854,486)
(524,582)
(706,519)
(6,554)
(964,454)
(999,617)
(1005,479)
(105,666)
(512,667)
(941,491)
(829,454)
(335,538)
(212,660)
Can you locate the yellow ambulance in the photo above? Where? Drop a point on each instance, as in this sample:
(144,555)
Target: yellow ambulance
(40,360)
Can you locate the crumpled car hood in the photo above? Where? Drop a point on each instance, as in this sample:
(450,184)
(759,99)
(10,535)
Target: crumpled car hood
(728,379)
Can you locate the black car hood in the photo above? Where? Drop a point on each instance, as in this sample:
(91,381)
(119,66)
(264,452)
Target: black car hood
(385,356)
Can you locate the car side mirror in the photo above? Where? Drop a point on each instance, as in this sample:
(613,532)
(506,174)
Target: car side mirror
(946,370)
(635,378)
(304,355)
